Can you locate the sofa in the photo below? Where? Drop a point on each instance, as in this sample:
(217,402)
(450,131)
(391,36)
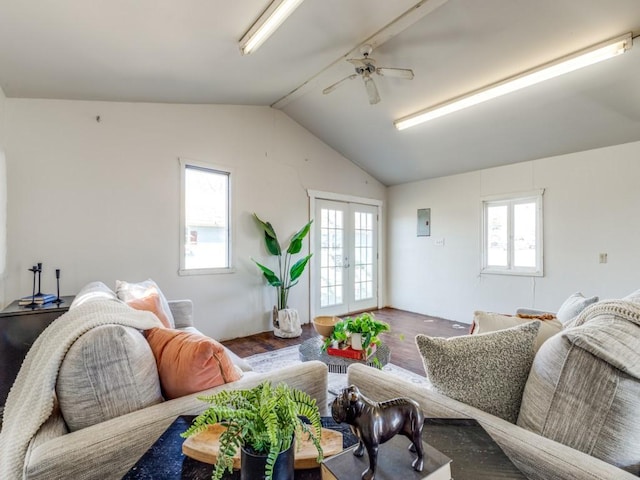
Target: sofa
(135,412)
(578,415)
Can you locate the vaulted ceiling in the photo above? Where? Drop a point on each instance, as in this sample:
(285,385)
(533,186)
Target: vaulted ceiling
(187,52)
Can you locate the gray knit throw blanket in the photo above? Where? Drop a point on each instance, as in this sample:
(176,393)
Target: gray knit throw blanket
(31,399)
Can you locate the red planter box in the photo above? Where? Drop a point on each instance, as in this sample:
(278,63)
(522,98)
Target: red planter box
(349,352)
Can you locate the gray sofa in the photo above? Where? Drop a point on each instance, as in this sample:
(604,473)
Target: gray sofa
(109,448)
(578,419)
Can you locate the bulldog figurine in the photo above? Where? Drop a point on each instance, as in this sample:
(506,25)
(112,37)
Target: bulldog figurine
(376,422)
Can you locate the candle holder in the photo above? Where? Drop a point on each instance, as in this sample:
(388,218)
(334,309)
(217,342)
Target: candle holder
(39,294)
(58,300)
(34,270)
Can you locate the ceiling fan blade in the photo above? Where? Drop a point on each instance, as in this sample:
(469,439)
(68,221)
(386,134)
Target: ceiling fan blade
(405,73)
(372,90)
(331,88)
(357,62)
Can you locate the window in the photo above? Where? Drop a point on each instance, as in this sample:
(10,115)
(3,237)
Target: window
(512,234)
(205,240)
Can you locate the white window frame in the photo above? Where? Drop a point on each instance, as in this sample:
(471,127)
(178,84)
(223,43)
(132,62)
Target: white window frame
(183,271)
(510,200)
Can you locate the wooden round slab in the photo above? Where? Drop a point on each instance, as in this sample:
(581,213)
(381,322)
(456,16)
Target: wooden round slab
(204,447)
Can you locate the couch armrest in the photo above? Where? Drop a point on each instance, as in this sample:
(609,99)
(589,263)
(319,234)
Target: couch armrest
(182,311)
(109,449)
(537,457)
(533,311)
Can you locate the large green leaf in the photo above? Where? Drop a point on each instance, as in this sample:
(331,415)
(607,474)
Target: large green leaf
(298,267)
(270,237)
(296,241)
(271,277)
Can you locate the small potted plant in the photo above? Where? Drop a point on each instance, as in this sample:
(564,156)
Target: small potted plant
(261,422)
(361,331)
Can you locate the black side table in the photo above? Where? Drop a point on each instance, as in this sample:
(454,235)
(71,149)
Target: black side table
(19,328)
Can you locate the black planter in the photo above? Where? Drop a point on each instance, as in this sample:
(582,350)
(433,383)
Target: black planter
(252,465)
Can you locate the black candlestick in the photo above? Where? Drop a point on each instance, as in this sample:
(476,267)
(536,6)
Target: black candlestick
(58,300)
(34,270)
(39,278)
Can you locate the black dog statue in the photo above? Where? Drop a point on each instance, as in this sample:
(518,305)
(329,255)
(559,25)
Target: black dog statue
(376,422)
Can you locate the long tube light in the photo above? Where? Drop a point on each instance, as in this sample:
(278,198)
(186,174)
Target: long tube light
(555,68)
(276,13)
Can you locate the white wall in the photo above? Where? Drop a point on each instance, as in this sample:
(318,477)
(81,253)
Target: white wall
(591,206)
(100,200)
(3,197)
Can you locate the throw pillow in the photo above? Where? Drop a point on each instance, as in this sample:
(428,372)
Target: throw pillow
(487,371)
(108,372)
(485,322)
(189,362)
(92,291)
(151,303)
(573,305)
(633,297)
(127,292)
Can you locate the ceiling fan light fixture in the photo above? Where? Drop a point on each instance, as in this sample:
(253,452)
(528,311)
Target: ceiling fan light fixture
(275,14)
(555,68)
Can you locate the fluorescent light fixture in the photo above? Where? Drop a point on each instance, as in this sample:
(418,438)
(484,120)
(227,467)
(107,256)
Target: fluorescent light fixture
(555,68)
(276,13)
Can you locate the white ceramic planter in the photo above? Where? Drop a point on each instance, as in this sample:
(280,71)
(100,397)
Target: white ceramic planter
(286,323)
(356,341)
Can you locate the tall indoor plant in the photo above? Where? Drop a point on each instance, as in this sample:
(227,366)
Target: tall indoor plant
(260,421)
(286,321)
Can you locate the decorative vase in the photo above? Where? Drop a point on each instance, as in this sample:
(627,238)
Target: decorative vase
(286,323)
(356,341)
(252,465)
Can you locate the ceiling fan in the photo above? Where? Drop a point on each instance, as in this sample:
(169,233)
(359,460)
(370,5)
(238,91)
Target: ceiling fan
(365,67)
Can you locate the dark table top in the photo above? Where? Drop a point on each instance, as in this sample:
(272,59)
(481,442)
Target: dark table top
(474,454)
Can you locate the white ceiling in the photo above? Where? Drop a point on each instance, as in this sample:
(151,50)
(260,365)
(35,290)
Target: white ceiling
(187,52)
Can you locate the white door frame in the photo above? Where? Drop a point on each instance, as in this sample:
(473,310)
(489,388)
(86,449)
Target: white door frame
(320,195)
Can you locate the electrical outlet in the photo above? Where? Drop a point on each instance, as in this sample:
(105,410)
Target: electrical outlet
(438,242)
(603,258)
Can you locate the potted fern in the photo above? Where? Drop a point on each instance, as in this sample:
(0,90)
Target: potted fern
(286,321)
(261,422)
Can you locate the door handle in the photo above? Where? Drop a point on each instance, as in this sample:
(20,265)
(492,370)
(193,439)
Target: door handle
(346,263)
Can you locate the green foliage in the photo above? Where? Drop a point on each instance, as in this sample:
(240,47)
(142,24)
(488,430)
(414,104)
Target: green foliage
(288,274)
(263,419)
(365,324)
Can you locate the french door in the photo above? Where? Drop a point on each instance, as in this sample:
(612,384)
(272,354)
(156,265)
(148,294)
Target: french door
(345,257)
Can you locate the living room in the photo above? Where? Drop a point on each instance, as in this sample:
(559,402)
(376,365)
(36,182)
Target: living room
(91,186)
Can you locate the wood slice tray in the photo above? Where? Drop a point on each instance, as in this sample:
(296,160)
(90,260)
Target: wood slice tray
(204,447)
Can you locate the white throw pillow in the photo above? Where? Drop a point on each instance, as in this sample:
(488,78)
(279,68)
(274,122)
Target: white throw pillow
(573,305)
(633,297)
(485,322)
(127,292)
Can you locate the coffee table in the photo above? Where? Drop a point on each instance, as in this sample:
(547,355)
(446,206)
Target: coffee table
(311,349)
(475,455)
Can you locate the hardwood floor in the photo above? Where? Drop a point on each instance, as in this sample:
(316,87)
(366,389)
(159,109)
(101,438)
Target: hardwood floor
(404,327)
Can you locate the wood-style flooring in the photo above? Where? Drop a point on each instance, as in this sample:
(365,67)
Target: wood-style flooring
(401,340)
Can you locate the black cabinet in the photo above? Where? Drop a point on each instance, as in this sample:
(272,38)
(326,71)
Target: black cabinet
(19,328)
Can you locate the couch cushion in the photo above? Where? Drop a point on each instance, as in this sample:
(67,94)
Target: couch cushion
(485,322)
(108,372)
(487,371)
(189,362)
(128,291)
(573,305)
(576,398)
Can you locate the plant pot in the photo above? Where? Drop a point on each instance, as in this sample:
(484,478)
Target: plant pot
(286,323)
(252,465)
(356,341)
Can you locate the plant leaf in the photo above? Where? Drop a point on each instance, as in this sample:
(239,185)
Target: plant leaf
(270,237)
(296,241)
(271,277)
(298,267)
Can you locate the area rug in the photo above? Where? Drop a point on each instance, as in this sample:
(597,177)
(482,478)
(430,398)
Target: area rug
(264,362)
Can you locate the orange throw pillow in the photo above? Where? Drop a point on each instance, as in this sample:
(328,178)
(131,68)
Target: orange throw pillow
(151,303)
(188,362)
